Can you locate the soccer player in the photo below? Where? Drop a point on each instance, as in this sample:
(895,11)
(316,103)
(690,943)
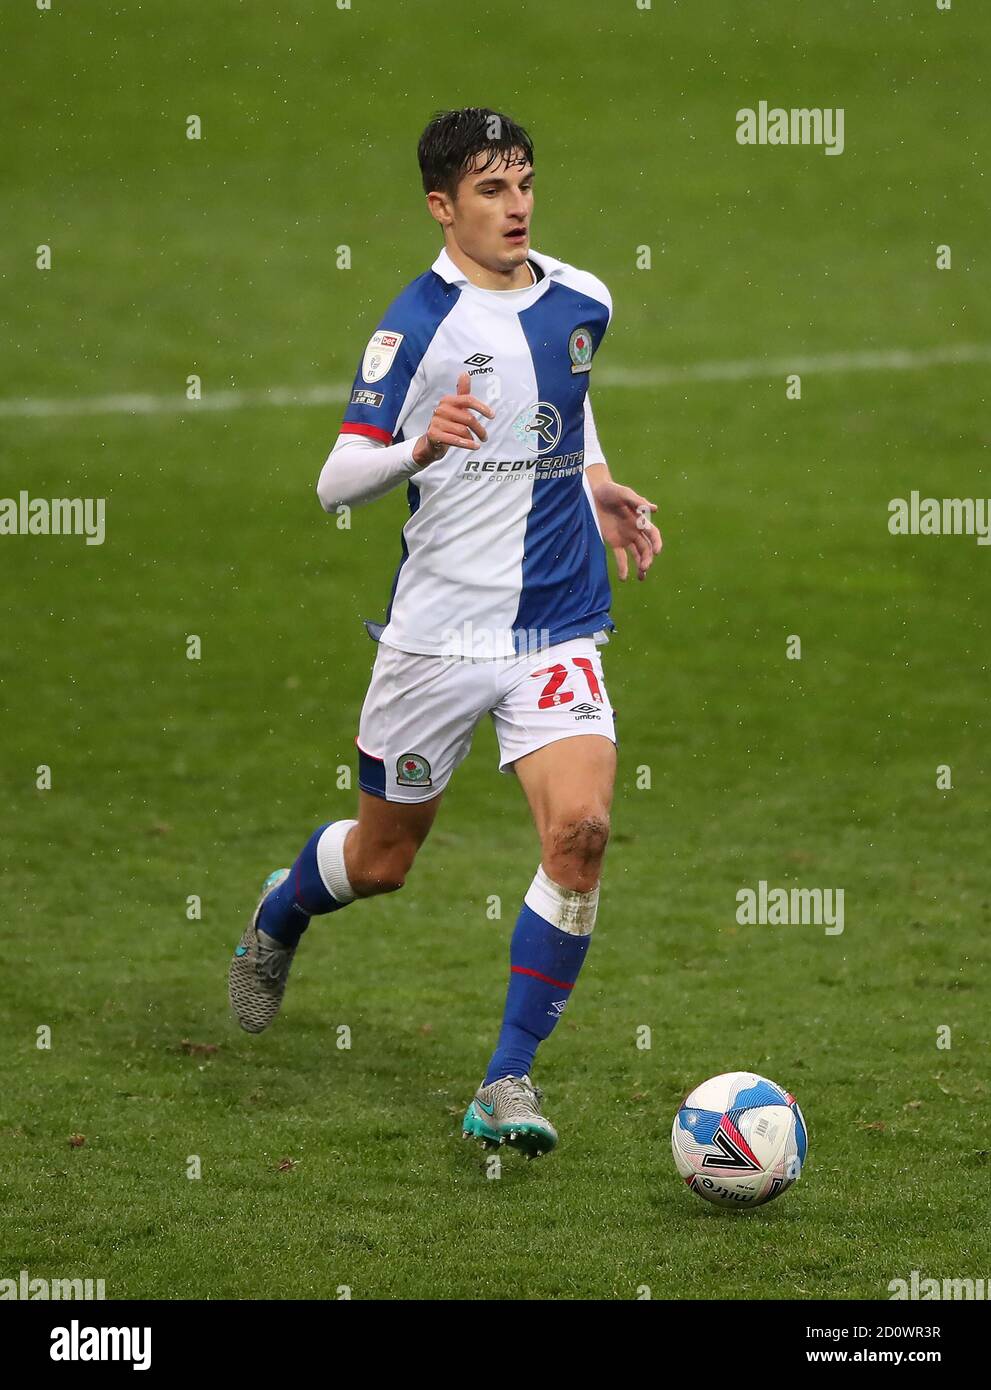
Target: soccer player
(473,392)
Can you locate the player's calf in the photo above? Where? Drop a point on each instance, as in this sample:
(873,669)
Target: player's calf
(546,953)
(370,875)
(385,842)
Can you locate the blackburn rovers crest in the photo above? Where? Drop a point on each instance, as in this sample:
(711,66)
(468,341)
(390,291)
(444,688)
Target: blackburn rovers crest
(412,770)
(580,350)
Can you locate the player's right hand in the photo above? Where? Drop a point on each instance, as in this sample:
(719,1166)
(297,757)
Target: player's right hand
(453,425)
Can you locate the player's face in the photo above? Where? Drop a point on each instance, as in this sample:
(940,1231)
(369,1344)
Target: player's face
(490,217)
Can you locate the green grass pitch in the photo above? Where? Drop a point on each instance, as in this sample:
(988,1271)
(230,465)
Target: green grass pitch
(173,778)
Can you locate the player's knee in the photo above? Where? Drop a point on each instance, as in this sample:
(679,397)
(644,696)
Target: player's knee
(381,873)
(579,838)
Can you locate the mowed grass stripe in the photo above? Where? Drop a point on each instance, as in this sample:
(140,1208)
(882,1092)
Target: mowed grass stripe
(337,393)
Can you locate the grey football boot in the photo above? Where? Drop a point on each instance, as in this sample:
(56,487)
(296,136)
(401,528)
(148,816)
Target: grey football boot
(259,969)
(507,1111)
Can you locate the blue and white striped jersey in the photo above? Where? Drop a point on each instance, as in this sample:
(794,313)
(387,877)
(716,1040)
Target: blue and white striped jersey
(502,552)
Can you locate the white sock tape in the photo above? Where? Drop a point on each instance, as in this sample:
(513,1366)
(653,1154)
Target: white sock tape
(563,907)
(330,860)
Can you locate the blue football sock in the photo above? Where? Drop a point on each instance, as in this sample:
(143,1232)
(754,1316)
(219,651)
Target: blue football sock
(544,964)
(286,913)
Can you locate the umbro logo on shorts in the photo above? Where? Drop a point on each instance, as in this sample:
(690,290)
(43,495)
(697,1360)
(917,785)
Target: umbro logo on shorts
(586,711)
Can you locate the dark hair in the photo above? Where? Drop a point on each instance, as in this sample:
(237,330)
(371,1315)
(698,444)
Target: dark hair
(453,139)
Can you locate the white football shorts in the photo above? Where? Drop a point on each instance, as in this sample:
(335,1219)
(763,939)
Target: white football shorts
(420,712)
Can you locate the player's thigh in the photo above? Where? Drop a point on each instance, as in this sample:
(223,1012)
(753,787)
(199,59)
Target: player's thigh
(416,724)
(569,785)
(556,730)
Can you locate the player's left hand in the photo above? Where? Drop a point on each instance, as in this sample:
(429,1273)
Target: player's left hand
(624,517)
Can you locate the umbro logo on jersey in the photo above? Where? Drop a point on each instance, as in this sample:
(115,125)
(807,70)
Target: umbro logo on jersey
(586,711)
(479,364)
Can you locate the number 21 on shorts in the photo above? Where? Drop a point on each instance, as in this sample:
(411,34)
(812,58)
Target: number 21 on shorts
(555,693)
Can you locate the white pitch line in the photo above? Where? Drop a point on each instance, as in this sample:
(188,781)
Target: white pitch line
(882,360)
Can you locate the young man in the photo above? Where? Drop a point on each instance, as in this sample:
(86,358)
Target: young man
(500,601)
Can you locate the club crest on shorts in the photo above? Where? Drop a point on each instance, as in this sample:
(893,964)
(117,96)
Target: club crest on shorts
(580,350)
(379,354)
(413,770)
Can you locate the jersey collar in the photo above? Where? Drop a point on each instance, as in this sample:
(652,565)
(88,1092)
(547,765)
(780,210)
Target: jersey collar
(447,270)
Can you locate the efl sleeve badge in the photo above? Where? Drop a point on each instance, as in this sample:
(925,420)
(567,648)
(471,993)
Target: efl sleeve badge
(379,354)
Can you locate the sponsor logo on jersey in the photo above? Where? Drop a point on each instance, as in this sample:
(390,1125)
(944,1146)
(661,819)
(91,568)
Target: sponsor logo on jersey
(580,350)
(479,364)
(539,426)
(372,398)
(413,770)
(516,470)
(379,354)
